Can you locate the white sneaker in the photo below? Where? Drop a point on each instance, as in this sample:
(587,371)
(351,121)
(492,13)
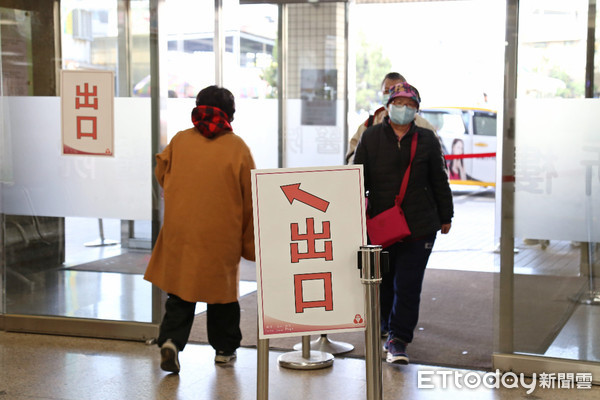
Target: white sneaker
(223,357)
(169,359)
(396,352)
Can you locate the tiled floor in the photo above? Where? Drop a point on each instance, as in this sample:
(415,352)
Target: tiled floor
(46,367)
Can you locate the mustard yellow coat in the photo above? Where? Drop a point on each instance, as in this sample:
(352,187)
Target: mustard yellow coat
(207,224)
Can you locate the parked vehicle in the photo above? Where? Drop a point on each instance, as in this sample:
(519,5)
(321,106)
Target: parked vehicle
(468,131)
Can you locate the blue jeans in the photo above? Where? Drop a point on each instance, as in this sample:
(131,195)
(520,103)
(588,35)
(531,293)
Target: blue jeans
(400,290)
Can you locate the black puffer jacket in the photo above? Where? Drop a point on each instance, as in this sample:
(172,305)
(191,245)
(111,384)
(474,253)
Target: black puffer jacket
(428,201)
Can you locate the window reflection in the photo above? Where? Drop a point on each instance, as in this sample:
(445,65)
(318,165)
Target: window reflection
(89,34)
(552,49)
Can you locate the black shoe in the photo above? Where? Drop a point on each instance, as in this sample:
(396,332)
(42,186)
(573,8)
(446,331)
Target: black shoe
(169,359)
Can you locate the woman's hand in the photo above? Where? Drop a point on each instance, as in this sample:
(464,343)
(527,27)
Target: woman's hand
(446,228)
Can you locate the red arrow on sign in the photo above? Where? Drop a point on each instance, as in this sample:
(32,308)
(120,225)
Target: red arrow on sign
(293,192)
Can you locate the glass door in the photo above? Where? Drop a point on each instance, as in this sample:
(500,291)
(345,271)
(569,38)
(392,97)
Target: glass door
(548,287)
(315,76)
(65,269)
(250,71)
(76,226)
(291,83)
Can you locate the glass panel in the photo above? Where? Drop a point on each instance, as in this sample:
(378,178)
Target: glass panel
(190,63)
(250,69)
(557,186)
(315,86)
(445,123)
(471,51)
(484,124)
(251,74)
(62,212)
(139,54)
(596,87)
(461,102)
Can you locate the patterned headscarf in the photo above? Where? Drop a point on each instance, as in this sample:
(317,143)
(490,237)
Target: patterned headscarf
(210,121)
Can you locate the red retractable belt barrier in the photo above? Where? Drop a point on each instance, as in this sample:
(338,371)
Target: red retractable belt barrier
(474,155)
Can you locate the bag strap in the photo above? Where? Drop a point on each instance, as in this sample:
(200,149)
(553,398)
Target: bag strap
(413,150)
(369,121)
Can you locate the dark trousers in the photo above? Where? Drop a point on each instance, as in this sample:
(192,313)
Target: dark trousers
(222,324)
(400,290)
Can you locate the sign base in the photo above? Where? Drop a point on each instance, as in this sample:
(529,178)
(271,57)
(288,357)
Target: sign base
(296,360)
(100,243)
(328,346)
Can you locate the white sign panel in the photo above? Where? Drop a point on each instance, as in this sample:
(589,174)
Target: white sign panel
(87,112)
(309,224)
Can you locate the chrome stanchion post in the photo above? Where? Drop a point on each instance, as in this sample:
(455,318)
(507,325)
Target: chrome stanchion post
(101,241)
(592,296)
(369,264)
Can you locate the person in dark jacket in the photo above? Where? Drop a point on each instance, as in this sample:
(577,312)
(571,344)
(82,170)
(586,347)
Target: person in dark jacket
(384,152)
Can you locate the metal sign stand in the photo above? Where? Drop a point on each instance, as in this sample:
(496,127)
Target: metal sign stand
(371,260)
(326,345)
(306,358)
(262,371)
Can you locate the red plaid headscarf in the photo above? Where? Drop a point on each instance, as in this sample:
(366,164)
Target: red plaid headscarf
(210,121)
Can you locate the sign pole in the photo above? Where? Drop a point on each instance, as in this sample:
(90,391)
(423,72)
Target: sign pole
(262,371)
(369,258)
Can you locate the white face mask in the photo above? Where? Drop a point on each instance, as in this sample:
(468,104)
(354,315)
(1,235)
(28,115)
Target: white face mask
(386,97)
(401,115)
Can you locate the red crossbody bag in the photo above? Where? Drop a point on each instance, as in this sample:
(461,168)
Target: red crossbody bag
(390,226)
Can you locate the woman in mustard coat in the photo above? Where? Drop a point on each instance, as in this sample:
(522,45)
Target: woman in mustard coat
(207,228)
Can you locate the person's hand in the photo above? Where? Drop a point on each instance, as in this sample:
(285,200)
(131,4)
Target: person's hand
(446,228)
